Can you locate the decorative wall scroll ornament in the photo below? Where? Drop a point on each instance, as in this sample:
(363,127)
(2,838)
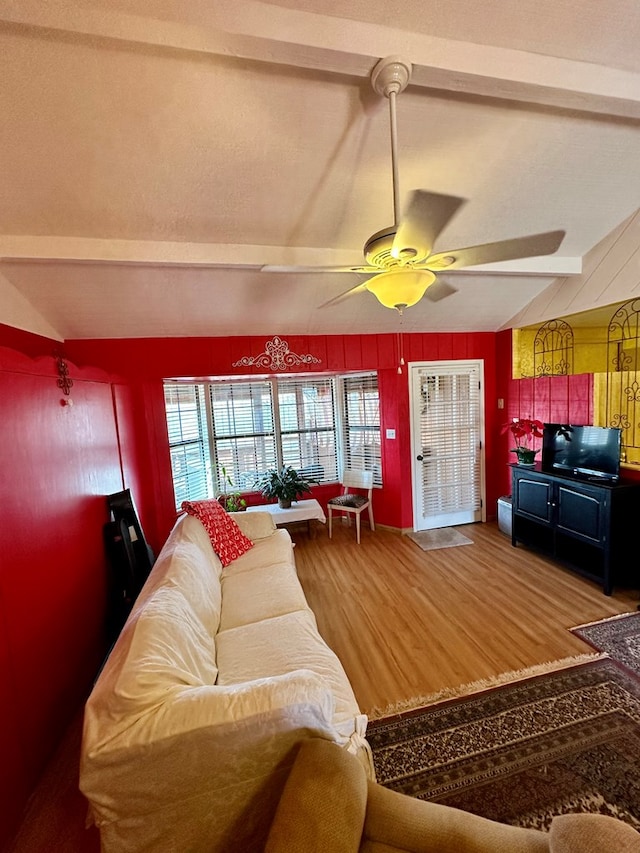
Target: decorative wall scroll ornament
(553,349)
(276,356)
(623,376)
(65,383)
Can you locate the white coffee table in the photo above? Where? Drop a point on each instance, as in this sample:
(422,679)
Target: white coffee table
(309,510)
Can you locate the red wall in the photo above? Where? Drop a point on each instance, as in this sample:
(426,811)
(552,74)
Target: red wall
(27,343)
(148,361)
(58,463)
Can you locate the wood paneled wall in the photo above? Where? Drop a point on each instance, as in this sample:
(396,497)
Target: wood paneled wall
(58,463)
(147,362)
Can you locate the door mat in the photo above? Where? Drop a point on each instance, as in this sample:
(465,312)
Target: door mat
(618,636)
(522,753)
(441,537)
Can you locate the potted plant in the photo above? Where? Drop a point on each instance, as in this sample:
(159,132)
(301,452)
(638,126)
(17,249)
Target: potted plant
(285,484)
(231,501)
(524,430)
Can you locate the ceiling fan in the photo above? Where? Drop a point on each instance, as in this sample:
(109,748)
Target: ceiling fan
(400,259)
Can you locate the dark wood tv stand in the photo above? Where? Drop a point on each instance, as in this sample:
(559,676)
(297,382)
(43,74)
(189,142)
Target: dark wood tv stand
(585,524)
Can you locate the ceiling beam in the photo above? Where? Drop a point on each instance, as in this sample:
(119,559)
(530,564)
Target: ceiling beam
(237,256)
(256,31)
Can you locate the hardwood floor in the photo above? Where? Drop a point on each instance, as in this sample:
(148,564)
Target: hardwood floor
(408,623)
(405,623)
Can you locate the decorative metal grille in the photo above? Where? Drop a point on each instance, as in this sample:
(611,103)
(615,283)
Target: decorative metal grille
(276,356)
(553,349)
(623,373)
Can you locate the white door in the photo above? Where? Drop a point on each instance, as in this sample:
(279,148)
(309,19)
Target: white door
(447,438)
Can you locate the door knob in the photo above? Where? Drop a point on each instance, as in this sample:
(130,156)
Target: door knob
(420,458)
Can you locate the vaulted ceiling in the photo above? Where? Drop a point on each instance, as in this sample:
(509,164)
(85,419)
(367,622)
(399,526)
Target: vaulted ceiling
(155,154)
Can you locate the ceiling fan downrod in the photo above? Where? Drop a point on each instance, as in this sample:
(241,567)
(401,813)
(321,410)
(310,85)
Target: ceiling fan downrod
(389,78)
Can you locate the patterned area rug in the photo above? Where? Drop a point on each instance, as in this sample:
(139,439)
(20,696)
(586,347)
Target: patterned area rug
(521,753)
(618,636)
(441,537)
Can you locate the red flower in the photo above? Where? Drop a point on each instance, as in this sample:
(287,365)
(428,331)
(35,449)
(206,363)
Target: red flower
(523,430)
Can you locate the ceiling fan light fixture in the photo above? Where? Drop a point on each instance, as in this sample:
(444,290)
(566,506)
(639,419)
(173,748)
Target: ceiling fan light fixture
(400,288)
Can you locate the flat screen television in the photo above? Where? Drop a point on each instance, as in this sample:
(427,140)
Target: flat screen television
(582,451)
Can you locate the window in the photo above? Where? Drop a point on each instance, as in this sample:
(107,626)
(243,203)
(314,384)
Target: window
(242,432)
(361,424)
(240,429)
(186,420)
(308,427)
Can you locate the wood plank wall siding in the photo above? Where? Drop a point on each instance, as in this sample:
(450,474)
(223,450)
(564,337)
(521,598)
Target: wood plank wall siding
(147,362)
(57,464)
(404,623)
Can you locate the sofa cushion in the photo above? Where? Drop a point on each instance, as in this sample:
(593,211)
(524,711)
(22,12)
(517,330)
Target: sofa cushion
(353,501)
(188,569)
(274,550)
(255,525)
(285,644)
(188,528)
(261,593)
(229,542)
(163,648)
(188,561)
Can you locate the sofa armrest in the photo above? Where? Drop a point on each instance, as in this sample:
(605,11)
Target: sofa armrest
(591,833)
(208,744)
(182,709)
(328,804)
(405,823)
(323,804)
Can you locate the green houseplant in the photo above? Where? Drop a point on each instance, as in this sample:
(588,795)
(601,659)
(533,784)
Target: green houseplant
(232,501)
(286,484)
(524,430)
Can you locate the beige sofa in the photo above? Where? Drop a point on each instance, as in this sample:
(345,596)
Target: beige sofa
(191,728)
(329,806)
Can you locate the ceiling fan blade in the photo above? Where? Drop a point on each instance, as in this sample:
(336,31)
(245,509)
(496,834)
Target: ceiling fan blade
(351,292)
(424,218)
(439,290)
(364,270)
(531,246)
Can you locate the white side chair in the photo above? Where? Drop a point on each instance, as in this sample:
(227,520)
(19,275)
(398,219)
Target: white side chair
(351,501)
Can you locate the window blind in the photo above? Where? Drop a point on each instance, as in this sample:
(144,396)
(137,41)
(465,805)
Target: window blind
(450,422)
(307,420)
(361,424)
(186,425)
(243,430)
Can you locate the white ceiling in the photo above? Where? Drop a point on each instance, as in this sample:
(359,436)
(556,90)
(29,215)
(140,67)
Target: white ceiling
(156,153)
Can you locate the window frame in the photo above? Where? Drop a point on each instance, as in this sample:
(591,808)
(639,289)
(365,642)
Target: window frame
(340,429)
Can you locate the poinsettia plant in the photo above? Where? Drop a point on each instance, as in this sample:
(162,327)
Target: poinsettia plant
(524,430)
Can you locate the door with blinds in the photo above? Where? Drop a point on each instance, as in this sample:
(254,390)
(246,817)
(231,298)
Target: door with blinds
(447,439)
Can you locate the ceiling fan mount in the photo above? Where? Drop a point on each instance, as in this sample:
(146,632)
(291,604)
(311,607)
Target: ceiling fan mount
(391,74)
(399,260)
